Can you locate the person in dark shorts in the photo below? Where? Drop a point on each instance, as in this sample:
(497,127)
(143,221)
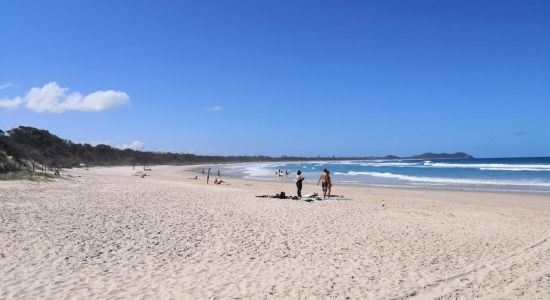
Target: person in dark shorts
(324,179)
(329,184)
(299,180)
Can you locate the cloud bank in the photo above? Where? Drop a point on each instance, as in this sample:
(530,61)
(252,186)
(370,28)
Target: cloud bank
(11,104)
(135,145)
(5,85)
(51,98)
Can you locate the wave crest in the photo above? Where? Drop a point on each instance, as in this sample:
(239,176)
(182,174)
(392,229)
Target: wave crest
(451,181)
(495,167)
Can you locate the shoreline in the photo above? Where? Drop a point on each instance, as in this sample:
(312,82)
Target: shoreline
(191,168)
(531,197)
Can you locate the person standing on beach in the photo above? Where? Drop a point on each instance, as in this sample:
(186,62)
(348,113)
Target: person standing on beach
(324,180)
(208,176)
(329,183)
(299,180)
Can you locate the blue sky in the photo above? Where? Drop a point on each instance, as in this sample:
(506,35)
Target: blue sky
(282,77)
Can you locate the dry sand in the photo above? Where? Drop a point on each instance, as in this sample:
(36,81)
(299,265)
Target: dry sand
(104,234)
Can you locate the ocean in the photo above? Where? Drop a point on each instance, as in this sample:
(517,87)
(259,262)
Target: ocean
(491,174)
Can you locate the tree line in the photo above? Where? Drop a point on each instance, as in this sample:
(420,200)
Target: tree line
(26,146)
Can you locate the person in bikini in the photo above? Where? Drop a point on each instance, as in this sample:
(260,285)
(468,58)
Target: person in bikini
(324,179)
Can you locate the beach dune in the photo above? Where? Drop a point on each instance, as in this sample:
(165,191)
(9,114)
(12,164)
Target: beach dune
(105,233)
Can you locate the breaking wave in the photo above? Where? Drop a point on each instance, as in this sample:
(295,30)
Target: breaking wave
(495,167)
(451,181)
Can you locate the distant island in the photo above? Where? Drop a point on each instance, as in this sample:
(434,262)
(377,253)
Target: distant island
(24,146)
(429,155)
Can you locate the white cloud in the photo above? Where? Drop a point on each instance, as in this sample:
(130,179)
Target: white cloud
(5,85)
(51,98)
(215,108)
(135,145)
(11,104)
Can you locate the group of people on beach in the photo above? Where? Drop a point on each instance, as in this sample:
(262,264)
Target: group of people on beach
(282,174)
(324,180)
(216,180)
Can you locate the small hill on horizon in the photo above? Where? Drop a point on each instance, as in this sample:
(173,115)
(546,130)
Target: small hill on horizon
(429,155)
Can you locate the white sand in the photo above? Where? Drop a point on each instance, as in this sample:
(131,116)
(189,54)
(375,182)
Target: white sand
(108,234)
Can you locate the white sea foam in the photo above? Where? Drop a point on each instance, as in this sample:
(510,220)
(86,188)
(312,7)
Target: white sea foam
(495,167)
(388,164)
(516,169)
(451,181)
(259,170)
(430,164)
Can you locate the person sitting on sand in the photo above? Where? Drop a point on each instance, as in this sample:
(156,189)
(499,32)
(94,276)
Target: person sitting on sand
(324,180)
(299,180)
(196,177)
(216,181)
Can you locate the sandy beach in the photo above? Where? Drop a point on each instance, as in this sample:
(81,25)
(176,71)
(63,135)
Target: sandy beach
(108,234)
